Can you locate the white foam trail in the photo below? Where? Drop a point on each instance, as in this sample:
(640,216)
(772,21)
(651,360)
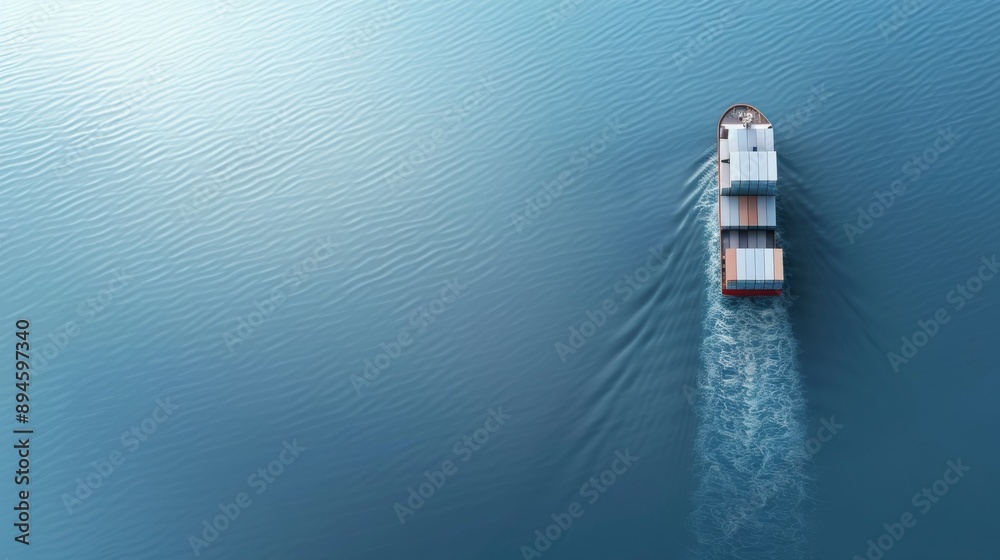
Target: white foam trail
(750,454)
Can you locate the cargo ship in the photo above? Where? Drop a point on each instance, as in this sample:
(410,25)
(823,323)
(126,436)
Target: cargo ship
(752,262)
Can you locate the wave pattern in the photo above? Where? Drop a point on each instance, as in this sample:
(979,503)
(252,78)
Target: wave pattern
(750,451)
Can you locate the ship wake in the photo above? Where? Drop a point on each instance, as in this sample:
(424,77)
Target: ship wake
(750,449)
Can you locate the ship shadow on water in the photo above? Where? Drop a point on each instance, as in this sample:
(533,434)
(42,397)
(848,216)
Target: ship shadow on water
(751,460)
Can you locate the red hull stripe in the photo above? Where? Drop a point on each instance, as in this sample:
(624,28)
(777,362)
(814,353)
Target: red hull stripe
(751,292)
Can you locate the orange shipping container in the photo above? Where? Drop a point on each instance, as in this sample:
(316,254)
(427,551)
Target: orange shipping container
(730,265)
(779,270)
(752,211)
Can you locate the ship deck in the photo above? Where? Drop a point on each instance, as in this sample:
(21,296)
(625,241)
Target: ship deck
(732,116)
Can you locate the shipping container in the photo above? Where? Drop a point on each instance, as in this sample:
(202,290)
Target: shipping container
(764,172)
(735,165)
(731,265)
(734,239)
(772,166)
(725,180)
(741,265)
(745,172)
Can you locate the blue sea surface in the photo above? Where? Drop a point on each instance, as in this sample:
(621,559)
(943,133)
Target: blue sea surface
(406,279)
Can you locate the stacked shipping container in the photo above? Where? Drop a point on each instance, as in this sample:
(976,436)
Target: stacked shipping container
(752,166)
(747,212)
(754,269)
(748,176)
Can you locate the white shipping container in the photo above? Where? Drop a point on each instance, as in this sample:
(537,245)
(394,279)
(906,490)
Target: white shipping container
(771,212)
(734,167)
(769,139)
(761,271)
(769,264)
(744,170)
(741,264)
(762,164)
(763,170)
(772,167)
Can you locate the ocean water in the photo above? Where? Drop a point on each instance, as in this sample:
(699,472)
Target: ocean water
(407,279)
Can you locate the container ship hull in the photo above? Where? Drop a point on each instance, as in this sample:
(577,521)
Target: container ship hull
(752,264)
